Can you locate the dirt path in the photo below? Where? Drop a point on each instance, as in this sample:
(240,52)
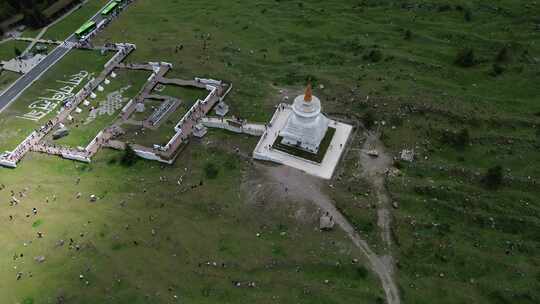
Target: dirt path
(287,182)
(373,169)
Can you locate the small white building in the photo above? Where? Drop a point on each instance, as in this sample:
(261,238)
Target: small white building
(199,130)
(306,126)
(139,107)
(222,109)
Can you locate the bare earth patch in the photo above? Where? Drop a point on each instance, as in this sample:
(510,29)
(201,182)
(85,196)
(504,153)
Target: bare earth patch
(284,183)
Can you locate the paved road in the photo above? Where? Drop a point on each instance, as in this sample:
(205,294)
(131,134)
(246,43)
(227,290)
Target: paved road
(27,79)
(24,82)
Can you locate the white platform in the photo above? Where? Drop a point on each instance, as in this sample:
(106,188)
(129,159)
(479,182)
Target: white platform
(22,65)
(325,169)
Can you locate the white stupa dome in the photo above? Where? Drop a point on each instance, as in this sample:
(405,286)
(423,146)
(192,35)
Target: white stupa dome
(306,126)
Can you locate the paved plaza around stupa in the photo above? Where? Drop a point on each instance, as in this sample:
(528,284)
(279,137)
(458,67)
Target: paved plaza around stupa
(265,151)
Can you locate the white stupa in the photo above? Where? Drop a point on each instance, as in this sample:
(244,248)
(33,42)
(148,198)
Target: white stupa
(306,126)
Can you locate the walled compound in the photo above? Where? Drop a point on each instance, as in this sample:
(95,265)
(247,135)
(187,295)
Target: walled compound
(36,142)
(217,90)
(293,137)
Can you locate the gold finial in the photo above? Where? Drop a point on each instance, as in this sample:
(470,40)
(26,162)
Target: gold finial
(308,96)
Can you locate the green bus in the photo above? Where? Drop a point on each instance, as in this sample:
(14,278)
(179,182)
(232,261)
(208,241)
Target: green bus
(84,30)
(110,8)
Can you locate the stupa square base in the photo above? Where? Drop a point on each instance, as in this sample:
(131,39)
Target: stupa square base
(325,169)
(307,155)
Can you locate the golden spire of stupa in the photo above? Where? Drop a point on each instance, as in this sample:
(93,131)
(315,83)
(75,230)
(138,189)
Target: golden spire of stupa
(308,96)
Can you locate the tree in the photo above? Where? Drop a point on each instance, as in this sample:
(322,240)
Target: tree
(17,52)
(465,58)
(35,18)
(130,157)
(494,177)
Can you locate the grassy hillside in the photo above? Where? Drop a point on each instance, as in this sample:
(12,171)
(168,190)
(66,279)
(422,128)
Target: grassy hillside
(147,240)
(457,81)
(404,56)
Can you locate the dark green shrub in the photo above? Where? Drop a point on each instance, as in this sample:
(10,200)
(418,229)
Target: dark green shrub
(497,69)
(211,170)
(130,157)
(494,177)
(467,15)
(408,35)
(503,55)
(362,272)
(368,119)
(457,140)
(373,56)
(465,58)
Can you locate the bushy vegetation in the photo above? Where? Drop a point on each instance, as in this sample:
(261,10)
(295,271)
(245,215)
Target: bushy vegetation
(130,157)
(494,177)
(456,139)
(31,10)
(465,58)
(211,170)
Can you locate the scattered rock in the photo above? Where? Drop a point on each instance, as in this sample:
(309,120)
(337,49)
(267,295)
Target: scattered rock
(407,155)
(326,222)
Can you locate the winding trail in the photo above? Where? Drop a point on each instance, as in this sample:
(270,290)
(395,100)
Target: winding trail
(288,182)
(373,170)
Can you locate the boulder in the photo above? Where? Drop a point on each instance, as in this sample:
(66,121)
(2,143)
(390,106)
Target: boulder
(326,222)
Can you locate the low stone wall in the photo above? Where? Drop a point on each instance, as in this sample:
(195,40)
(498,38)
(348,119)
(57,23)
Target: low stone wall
(76,157)
(151,156)
(250,129)
(8,163)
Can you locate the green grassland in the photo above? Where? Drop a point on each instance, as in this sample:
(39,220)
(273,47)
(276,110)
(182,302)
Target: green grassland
(188,94)
(75,61)
(7,49)
(456,240)
(7,78)
(81,134)
(148,137)
(157,243)
(401,55)
(150,106)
